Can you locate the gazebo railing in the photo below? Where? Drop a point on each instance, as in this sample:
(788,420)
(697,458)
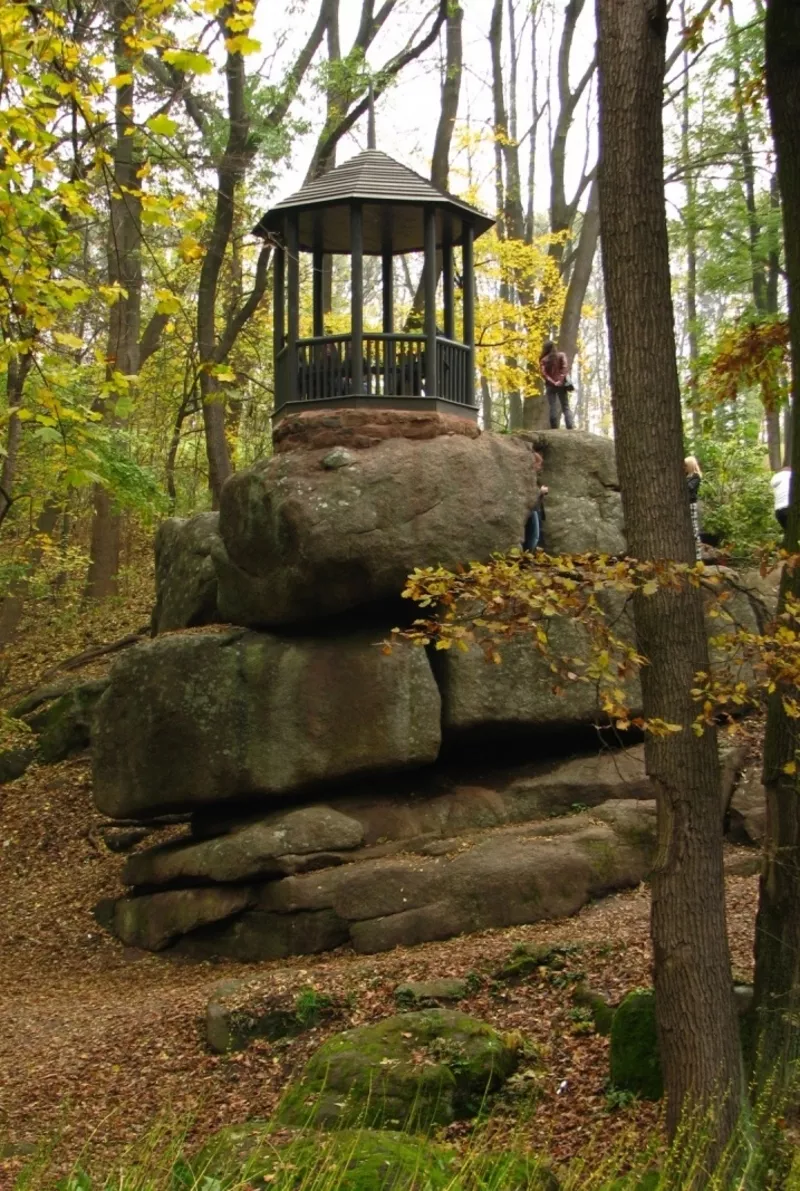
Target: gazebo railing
(392,365)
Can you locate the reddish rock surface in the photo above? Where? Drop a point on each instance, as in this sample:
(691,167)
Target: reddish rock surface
(362,428)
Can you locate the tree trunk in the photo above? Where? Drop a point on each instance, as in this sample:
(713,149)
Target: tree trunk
(777,947)
(580,276)
(448,111)
(18,369)
(697,1026)
(125,270)
(690,227)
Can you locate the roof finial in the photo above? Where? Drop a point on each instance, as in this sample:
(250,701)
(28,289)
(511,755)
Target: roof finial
(371,119)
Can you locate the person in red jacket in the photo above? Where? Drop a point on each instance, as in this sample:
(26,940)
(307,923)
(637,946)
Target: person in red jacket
(554,367)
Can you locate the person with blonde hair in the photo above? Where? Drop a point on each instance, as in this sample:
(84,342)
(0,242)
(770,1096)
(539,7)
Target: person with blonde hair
(694,478)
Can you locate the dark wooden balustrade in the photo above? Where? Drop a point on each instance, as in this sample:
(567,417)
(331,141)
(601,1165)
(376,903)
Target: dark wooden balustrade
(392,365)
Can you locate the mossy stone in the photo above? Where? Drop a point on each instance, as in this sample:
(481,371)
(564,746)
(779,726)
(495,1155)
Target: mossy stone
(635,1059)
(65,725)
(527,958)
(411,1071)
(602,1012)
(350,1160)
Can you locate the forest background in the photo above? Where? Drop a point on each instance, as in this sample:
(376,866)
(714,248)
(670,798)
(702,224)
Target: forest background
(140,141)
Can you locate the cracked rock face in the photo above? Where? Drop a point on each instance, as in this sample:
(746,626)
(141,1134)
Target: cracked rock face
(303,540)
(584,506)
(203,718)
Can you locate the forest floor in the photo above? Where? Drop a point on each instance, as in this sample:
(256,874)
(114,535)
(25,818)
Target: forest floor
(99,1042)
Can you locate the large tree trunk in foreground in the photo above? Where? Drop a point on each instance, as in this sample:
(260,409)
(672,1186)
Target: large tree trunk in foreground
(698,1032)
(777,979)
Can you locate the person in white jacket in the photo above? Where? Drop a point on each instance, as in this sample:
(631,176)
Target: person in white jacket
(781,484)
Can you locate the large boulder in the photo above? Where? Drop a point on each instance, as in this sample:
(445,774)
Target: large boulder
(500,878)
(526,691)
(312,533)
(583,507)
(152,922)
(268,847)
(202,717)
(186,581)
(412,1071)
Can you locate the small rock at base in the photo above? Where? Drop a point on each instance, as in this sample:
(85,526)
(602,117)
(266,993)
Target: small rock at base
(338,457)
(421,993)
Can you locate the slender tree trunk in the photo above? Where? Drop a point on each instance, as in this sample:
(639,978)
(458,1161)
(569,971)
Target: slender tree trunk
(697,1026)
(690,226)
(777,948)
(125,270)
(448,111)
(18,369)
(758,272)
(580,276)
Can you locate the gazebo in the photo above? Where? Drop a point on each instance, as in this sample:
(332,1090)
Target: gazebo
(372,205)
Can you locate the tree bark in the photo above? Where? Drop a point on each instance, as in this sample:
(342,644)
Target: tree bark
(777,947)
(697,1026)
(125,270)
(18,369)
(580,276)
(690,227)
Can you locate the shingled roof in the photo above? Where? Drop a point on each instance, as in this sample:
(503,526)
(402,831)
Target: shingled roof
(394,199)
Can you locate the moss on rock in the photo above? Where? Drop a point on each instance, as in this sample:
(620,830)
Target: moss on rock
(635,1060)
(411,1071)
(359,1160)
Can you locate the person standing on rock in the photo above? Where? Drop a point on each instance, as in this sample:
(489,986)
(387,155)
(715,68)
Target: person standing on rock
(554,367)
(781,484)
(694,478)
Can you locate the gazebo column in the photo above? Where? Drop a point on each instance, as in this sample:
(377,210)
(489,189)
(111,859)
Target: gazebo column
(357,298)
(278,323)
(431,371)
(292,306)
(387,272)
(387,278)
(468,270)
(448,290)
(317,292)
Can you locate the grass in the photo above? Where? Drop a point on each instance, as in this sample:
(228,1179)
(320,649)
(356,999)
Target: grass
(257,1157)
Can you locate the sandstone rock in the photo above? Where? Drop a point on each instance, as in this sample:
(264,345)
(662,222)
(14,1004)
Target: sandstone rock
(186,581)
(747,815)
(122,839)
(520,694)
(422,994)
(257,935)
(255,850)
(372,1076)
(430,813)
(359,429)
(505,879)
(207,716)
(583,507)
(303,541)
(153,921)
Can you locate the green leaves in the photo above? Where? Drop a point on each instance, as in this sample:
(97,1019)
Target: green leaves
(162,125)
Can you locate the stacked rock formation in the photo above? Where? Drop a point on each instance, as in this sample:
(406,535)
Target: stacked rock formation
(266,709)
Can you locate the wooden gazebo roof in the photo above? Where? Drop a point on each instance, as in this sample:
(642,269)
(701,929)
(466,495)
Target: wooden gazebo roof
(394,200)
